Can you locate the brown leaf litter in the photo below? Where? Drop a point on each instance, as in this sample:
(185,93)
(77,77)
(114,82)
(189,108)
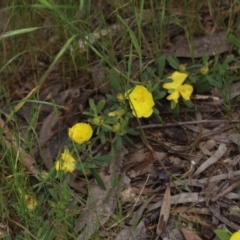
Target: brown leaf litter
(183,180)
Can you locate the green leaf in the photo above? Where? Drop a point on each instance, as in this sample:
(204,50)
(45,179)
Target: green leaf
(111,97)
(93,106)
(88,114)
(214,82)
(159,94)
(205,59)
(173,104)
(233,40)
(123,122)
(102,137)
(173,62)
(82,167)
(119,143)
(100,105)
(98,130)
(202,85)
(128,140)
(114,81)
(167,80)
(98,178)
(19,31)
(223,235)
(46,228)
(132,132)
(103,157)
(53,194)
(132,36)
(11,60)
(192,79)
(175,110)
(156,114)
(111,120)
(151,72)
(98,164)
(160,65)
(230,58)
(106,127)
(188,103)
(156,111)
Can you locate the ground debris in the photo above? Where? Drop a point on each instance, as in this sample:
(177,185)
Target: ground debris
(100,203)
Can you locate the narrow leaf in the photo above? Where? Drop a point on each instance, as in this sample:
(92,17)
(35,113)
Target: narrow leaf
(160,65)
(17,32)
(98,178)
(100,105)
(173,62)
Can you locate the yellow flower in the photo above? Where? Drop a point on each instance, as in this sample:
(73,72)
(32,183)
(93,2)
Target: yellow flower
(236,236)
(141,102)
(80,132)
(175,88)
(66,163)
(31,202)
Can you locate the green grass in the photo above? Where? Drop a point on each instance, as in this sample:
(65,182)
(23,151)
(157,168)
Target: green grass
(41,38)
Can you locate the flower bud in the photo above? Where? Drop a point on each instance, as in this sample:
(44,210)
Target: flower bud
(97,121)
(222,71)
(182,67)
(120,97)
(116,128)
(204,70)
(117,113)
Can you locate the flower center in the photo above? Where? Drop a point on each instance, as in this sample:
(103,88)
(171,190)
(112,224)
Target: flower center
(79,136)
(141,99)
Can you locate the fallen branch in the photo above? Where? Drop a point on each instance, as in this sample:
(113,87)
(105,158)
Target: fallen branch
(185,123)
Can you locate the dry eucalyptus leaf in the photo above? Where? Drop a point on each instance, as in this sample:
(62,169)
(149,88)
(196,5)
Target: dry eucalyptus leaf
(189,235)
(235,138)
(164,212)
(191,197)
(130,232)
(207,45)
(159,156)
(214,158)
(139,233)
(207,146)
(48,124)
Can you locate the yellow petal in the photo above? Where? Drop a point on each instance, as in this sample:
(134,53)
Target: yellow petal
(69,166)
(178,78)
(67,157)
(148,113)
(235,236)
(80,132)
(141,102)
(186,91)
(67,163)
(174,96)
(65,166)
(58,165)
